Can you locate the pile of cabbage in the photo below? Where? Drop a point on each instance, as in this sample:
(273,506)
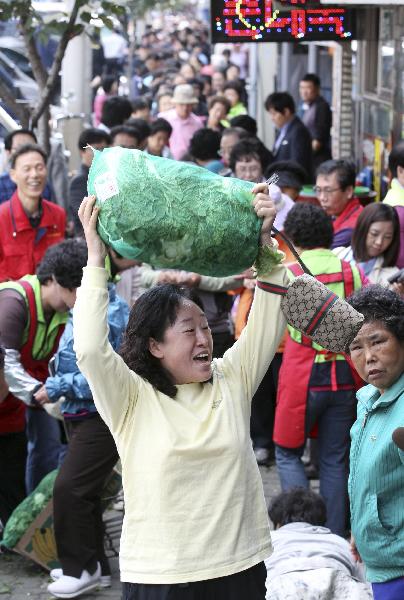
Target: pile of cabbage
(28,510)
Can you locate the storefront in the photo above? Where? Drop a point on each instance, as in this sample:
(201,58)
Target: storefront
(378,80)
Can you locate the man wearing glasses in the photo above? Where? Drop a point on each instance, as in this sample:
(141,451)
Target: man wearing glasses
(335,183)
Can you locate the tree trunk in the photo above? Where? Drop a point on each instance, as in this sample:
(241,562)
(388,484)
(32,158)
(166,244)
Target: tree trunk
(43,130)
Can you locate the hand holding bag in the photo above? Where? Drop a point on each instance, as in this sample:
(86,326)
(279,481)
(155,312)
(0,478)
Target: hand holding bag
(314,310)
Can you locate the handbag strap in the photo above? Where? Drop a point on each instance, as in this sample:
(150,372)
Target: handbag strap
(273,180)
(293,250)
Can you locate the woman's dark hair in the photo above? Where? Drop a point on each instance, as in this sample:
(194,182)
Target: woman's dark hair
(248,148)
(205,144)
(129,131)
(235,85)
(64,262)
(396,158)
(93,136)
(140,103)
(151,315)
(249,124)
(142,128)
(161,124)
(299,505)
(239,131)
(219,100)
(115,111)
(107,82)
(308,226)
(373,213)
(378,303)
(345,170)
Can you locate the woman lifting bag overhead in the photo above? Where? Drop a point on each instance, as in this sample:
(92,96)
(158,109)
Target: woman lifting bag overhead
(195,514)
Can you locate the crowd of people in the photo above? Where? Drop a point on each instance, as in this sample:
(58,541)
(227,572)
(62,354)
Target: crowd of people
(193,381)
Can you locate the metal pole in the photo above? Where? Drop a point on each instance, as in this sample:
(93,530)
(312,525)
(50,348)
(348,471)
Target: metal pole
(312,58)
(253,73)
(285,66)
(7,121)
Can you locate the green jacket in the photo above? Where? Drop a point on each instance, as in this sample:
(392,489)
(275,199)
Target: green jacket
(46,332)
(376,482)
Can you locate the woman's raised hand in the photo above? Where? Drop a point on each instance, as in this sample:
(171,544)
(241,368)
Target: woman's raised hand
(88,214)
(264,208)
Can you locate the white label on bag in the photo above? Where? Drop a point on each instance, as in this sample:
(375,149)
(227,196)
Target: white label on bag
(106,186)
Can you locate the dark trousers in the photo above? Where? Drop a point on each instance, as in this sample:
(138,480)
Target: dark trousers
(246,585)
(263,406)
(389,590)
(334,412)
(13,457)
(79,529)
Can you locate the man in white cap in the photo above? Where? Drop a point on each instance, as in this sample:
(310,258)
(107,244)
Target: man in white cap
(181,118)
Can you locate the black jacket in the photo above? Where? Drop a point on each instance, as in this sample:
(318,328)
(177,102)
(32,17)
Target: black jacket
(77,191)
(296,145)
(318,120)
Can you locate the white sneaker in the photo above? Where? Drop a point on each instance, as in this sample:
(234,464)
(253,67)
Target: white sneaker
(71,587)
(105,580)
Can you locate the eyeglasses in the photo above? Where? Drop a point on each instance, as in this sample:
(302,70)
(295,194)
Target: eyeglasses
(325,191)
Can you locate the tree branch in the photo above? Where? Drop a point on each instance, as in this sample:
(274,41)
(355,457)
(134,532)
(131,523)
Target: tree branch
(38,69)
(22,112)
(51,80)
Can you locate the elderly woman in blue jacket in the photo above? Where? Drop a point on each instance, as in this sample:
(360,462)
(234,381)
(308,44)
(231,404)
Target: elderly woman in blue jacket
(376,482)
(90,458)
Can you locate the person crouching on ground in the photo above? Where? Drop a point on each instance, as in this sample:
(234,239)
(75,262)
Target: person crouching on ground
(307,555)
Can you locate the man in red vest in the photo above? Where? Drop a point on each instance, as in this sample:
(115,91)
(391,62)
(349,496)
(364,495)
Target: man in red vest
(28,223)
(335,183)
(33,313)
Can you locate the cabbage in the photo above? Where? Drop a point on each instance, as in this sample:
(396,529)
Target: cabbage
(171,214)
(25,513)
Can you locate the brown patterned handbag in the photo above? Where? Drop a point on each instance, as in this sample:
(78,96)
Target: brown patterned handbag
(313,309)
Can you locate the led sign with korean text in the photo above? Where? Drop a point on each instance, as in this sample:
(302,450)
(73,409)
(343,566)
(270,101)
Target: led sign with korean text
(280,21)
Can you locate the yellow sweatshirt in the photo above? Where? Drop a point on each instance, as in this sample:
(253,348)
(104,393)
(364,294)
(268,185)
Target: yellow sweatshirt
(194,502)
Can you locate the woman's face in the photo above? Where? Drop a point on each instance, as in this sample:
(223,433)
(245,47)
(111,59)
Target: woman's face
(232,73)
(232,96)
(249,169)
(186,350)
(218,112)
(187,71)
(377,355)
(379,237)
(165,102)
(157,142)
(218,81)
(227,144)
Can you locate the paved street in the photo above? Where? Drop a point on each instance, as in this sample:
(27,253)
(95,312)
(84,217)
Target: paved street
(21,579)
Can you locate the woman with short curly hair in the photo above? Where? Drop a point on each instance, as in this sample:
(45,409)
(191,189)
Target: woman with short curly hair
(376,481)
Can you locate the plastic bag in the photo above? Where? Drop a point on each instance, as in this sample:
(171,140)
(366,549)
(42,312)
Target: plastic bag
(171,214)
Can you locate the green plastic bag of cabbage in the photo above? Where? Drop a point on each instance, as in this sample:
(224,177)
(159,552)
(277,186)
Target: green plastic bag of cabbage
(175,215)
